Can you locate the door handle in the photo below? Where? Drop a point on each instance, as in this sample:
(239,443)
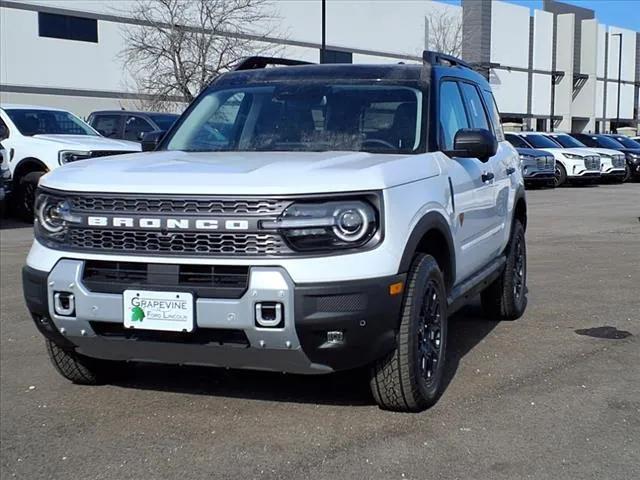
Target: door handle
(510,170)
(487,176)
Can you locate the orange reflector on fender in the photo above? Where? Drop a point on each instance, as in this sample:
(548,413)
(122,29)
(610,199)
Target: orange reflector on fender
(396,288)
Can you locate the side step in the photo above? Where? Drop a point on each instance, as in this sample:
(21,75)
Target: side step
(465,291)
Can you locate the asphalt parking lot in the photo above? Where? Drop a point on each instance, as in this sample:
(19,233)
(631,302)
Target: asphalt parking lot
(525,399)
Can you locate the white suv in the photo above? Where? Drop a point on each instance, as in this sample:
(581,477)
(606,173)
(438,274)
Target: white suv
(305,219)
(612,162)
(572,164)
(40,139)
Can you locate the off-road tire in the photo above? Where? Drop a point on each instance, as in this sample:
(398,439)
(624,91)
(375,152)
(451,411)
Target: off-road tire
(397,381)
(26,195)
(560,175)
(506,297)
(79,369)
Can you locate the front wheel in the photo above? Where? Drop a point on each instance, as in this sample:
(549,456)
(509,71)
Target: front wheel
(410,378)
(80,369)
(26,195)
(627,173)
(506,297)
(560,176)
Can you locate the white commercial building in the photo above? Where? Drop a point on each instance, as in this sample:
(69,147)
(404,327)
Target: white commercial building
(557,68)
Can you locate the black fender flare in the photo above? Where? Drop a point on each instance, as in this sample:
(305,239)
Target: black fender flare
(430,222)
(26,165)
(520,195)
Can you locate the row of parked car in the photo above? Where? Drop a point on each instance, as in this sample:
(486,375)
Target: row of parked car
(555,159)
(36,140)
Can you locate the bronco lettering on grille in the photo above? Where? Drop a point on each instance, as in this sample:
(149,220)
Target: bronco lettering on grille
(165,223)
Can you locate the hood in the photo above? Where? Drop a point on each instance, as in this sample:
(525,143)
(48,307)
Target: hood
(241,173)
(88,142)
(532,152)
(602,151)
(578,151)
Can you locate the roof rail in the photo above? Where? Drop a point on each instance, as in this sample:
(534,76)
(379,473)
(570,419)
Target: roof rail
(443,59)
(251,63)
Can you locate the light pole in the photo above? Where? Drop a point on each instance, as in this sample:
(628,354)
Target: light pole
(324,32)
(619,77)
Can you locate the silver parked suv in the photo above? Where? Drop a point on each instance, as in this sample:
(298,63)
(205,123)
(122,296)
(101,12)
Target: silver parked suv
(305,219)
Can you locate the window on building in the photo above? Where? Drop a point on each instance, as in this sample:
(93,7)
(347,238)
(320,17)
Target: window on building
(135,127)
(334,56)
(66,27)
(452,114)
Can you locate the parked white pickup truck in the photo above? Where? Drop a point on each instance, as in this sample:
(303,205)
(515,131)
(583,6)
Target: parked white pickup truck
(39,139)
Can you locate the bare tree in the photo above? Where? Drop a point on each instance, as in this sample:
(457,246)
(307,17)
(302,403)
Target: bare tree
(176,47)
(444,32)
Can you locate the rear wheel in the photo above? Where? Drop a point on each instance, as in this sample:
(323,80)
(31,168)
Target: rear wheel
(410,378)
(561,175)
(80,369)
(26,194)
(506,297)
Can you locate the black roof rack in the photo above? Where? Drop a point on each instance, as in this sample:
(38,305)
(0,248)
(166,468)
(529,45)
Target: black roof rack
(443,59)
(252,63)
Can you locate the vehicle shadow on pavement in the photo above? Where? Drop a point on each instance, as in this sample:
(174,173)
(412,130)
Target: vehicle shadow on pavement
(467,328)
(351,388)
(9,223)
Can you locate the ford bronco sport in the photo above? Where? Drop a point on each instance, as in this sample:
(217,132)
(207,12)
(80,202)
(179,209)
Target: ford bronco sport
(304,218)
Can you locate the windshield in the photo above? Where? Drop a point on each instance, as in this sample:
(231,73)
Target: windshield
(304,117)
(540,141)
(608,142)
(567,141)
(627,142)
(164,120)
(37,122)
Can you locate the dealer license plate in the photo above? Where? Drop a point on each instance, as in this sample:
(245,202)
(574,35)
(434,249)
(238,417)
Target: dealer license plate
(168,311)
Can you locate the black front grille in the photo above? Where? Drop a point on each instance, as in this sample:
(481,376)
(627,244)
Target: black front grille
(208,281)
(148,241)
(107,153)
(200,336)
(158,204)
(354,302)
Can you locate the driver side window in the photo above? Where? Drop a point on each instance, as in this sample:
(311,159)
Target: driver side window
(452,114)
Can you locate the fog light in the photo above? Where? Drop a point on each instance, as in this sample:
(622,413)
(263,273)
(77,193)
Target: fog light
(336,336)
(64,304)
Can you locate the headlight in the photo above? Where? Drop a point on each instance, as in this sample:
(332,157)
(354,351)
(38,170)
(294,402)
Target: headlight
(524,158)
(67,156)
(573,156)
(327,225)
(52,217)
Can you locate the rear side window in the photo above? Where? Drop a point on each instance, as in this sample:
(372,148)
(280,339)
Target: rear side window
(107,125)
(452,114)
(477,114)
(134,127)
(493,114)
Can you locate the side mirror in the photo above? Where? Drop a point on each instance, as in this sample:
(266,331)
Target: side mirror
(4,132)
(475,143)
(150,140)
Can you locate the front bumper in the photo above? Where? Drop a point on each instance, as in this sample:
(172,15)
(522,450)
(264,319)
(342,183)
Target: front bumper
(614,173)
(226,334)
